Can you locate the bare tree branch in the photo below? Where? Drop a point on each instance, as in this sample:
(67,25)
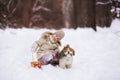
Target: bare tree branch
(37,8)
(8,5)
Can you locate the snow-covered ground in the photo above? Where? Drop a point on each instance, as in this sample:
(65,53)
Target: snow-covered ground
(97,54)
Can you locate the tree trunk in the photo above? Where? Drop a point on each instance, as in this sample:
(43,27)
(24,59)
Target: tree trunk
(91,14)
(26,12)
(103,14)
(85,13)
(68,13)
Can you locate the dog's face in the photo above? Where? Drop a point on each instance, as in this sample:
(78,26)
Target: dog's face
(68,51)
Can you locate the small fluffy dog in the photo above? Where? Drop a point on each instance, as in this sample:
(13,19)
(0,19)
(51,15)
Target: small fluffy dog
(66,57)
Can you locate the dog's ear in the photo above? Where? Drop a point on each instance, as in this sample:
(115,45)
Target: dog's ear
(62,51)
(73,51)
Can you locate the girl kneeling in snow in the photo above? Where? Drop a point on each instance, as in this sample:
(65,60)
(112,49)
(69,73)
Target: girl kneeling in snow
(45,49)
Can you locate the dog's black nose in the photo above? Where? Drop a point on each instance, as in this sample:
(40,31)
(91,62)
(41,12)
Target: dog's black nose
(68,52)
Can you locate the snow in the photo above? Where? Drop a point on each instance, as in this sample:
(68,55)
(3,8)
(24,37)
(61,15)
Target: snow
(97,54)
(103,3)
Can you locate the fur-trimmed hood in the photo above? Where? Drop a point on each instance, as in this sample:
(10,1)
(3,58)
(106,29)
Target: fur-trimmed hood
(47,36)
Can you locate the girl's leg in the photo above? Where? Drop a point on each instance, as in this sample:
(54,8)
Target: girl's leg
(44,60)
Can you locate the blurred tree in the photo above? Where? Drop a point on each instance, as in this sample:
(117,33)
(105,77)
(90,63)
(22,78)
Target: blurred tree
(9,12)
(68,13)
(26,6)
(55,13)
(85,13)
(103,13)
(115,9)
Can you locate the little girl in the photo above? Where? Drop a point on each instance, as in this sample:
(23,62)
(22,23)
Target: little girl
(45,49)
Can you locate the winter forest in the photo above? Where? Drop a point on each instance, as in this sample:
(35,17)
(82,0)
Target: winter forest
(91,28)
(58,13)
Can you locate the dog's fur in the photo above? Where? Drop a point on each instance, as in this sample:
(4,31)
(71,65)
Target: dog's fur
(65,61)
